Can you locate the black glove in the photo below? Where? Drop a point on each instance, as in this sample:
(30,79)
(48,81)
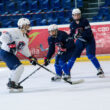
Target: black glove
(12,47)
(46,61)
(33,60)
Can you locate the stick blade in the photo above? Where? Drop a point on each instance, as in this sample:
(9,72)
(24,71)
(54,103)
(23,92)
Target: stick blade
(75,82)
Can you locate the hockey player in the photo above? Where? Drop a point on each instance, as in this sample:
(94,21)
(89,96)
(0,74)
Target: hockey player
(11,42)
(65,46)
(81,31)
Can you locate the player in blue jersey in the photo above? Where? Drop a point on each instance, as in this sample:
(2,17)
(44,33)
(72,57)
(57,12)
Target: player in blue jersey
(65,46)
(81,31)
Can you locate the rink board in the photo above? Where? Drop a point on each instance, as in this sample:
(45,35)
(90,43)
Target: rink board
(82,59)
(39,35)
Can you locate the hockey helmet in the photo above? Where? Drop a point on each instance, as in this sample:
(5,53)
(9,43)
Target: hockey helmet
(52,27)
(76,11)
(23,21)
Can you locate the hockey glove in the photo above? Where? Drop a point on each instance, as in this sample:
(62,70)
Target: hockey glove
(46,61)
(33,60)
(12,47)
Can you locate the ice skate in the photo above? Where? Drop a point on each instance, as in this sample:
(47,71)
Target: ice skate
(56,78)
(14,88)
(100,73)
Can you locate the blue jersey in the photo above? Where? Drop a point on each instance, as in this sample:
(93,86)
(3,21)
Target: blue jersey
(63,40)
(84,26)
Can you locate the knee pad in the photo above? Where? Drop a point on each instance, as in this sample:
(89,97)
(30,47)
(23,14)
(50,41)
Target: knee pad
(91,57)
(16,74)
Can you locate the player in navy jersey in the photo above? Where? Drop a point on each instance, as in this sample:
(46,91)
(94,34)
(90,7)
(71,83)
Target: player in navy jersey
(81,31)
(65,46)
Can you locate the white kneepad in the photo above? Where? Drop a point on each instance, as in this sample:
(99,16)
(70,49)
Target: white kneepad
(16,74)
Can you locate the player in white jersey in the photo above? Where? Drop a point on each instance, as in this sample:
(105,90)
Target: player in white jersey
(11,42)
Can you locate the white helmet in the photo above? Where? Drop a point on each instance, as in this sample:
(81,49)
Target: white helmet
(76,11)
(52,27)
(23,21)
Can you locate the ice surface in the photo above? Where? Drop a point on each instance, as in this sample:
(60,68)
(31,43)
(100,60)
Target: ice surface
(42,94)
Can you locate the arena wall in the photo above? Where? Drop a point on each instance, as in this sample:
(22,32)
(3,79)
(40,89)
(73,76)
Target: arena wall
(38,44)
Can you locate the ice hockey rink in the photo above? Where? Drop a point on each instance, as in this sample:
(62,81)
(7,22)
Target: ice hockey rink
(42,94)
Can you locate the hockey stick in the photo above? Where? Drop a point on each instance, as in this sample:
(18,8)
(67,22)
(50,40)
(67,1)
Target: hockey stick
(70,82)
(29,76)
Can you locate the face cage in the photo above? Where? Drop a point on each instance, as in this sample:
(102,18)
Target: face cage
(30,28)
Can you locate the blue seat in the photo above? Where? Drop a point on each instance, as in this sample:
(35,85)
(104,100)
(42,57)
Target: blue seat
(103,11)
(67,4)
(44,4)
(33,22)
(15,22)
(37,15)
(97,18)
(38,22)
(2,9)
(23,7)
(60,13)
(107,18)
(104,5)
(55,4)
(16,17)
(107,2)
(79,3)
(11,7)
(68,13)
(49,14)
(6,23)
(17,12)
(67,21)
(34,6)
(61,20)
(27,16)
(44,22)
(53,21)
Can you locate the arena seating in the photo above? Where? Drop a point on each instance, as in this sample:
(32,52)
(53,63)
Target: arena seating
(44,12)
(103,13)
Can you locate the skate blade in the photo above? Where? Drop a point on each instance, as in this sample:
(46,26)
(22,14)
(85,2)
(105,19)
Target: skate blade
(11,90)
(101,76)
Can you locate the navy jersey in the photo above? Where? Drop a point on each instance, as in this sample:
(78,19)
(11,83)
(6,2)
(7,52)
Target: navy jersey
(62,40)
(85,28)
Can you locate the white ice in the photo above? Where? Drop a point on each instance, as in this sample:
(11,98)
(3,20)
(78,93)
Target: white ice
(42,94)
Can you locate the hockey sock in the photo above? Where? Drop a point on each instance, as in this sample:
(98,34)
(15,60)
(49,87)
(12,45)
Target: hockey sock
(58,69)
(16,74)
(94,61)
(64,67)
(71,62)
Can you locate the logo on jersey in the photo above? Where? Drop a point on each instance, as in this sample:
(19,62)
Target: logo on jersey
(20,46)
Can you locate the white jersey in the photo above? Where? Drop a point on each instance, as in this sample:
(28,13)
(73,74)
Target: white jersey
(16,36)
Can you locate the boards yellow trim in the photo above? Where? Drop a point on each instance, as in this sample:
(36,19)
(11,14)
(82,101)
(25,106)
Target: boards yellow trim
(82,59)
